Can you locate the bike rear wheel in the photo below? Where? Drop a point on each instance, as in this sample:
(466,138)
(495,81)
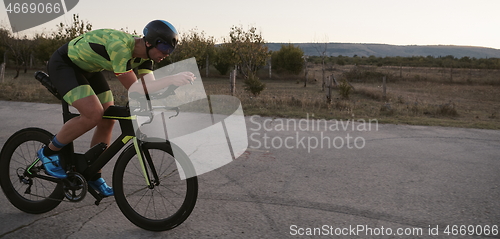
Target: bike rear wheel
(25,191)
(162,205)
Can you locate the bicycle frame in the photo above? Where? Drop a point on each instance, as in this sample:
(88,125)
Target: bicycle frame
(78,160)
(152,205)
(92,167)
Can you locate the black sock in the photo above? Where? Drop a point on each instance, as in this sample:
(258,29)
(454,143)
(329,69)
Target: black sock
(48,152)
(95,177)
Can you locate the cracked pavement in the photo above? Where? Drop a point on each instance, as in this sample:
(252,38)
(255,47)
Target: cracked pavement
(403,177)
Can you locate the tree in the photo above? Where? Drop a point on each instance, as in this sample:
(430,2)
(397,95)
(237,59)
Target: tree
(289,58)
(45,47)
(195,44)
(249,53)
(19,48)
(223,59)
(248,50)
(254,85)
(47,44)
(321,48)
(66,33)
(4,38)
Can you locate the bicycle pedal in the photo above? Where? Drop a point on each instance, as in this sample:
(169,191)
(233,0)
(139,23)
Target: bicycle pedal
(98,197)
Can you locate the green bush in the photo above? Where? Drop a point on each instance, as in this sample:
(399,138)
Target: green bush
(254,85)
(345,89)
(289,59)
(223,59)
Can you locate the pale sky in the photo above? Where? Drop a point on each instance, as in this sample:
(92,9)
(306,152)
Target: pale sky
(398,22)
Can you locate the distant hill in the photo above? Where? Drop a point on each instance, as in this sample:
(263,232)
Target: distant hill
(383,50)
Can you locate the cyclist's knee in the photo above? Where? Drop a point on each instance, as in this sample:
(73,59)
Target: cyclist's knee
(91,111)
(107,123)
(94,117)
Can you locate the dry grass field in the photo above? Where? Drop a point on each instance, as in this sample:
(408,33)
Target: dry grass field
(420,96)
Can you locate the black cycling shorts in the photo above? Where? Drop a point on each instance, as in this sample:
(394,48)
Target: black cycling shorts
(72,82)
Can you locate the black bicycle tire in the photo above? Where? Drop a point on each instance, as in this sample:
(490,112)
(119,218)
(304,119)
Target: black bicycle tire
(163,224)
(13,143)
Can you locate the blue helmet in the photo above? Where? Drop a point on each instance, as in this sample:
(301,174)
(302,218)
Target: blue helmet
(162,35)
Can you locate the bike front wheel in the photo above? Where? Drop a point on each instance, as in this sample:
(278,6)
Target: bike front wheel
(19,167)
(150,192)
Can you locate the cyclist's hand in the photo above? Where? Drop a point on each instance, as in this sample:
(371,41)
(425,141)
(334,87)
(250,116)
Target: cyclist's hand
(182,78)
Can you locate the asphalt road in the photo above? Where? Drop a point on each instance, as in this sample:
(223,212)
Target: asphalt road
(295,179)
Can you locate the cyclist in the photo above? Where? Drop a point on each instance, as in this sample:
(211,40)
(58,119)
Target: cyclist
(76,69)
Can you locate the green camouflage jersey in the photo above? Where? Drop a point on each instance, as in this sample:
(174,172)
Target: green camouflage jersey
(107,49)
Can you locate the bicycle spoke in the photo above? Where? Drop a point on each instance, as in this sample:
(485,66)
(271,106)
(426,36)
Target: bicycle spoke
(166,199)
(27,193)
(165,203)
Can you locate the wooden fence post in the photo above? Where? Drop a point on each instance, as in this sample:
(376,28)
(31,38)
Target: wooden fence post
(270,68)
(335,81)
(451,73)
(305,78)
(2,72)
(232,81)
(207,65)
(306,71)
(330,86)
(330,83)
(32,58)
(384,88)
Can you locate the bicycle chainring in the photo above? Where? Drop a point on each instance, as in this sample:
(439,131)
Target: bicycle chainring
(75,187)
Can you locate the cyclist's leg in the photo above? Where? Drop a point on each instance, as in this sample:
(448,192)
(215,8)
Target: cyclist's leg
(71,82)
(104,129)
(102,133)
(91,112)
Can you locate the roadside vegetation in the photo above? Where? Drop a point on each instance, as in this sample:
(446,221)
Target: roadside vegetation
(443,91)
(448,61)
(414,99)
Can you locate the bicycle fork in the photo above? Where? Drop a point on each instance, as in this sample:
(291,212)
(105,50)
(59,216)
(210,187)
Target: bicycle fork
(145,161)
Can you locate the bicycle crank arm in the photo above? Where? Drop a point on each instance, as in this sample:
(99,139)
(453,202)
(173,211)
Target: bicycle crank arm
(98,197)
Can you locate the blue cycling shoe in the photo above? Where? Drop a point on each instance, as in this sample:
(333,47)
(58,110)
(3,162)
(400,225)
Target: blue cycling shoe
(100,186)
(52,165)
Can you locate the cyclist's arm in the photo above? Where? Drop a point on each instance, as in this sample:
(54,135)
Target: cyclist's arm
(127,79)
(153,85)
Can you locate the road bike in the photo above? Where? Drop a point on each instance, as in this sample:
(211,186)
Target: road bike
(148,186)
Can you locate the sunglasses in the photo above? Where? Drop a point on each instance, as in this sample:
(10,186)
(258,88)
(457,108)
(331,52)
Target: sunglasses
(164,47)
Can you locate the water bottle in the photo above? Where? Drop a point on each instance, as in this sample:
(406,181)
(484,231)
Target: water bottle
(45,80)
